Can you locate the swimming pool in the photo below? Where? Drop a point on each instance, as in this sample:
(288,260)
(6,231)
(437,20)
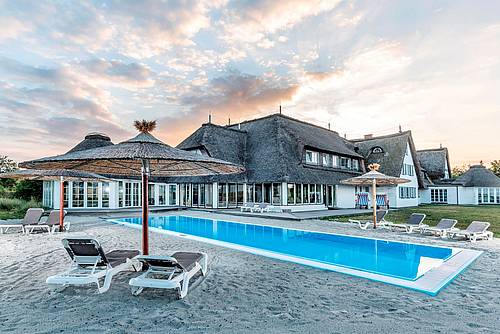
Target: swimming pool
(393,262)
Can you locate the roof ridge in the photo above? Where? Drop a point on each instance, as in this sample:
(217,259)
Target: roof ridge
(288,118)
(226,127)
(397,134)
(433,149)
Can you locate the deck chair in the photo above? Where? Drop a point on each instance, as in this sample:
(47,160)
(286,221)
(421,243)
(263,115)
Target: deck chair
(169,272)
(32,217)
(364,224)
(414,223)
(475,231)
(262,208)
(50,225)
(89,263)
(248,207)
(442,229)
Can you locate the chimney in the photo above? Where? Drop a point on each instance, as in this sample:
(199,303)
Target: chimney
(329,126)
(369,136)
(229,121)
(440,145)
(209,118)
(280,109)
(400,129)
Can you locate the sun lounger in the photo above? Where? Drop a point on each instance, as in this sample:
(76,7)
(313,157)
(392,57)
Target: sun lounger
(364,224)
(32,217)
(475,231)
(414,223)
(50,225)
(442,229)
(169,272)
(248,207)
(262,208)
(90,263)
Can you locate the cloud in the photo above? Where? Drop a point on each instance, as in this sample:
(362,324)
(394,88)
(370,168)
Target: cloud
(251,21)
(118,73)
(12,28)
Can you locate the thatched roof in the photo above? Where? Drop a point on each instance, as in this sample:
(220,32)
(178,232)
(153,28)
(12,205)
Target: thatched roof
(434,162)
(272,150)
(92,140)
(391,157)
(126,158)
(478,176)
(52,174)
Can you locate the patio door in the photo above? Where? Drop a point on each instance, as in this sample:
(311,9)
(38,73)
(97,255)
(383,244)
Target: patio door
(330,196)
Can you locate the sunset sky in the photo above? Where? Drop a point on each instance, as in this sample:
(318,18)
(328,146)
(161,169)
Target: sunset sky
(68,68)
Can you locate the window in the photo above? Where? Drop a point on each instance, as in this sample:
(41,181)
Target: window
(355,164)
(222,195)
(377,149)
(327,160)
(250,193)
(202,195)
(172,194)
(120,194)
(408,170)
(232,194)
(277,193)
(290,194)
(135,194)
(298,197)
(105,195)
(48,194)
(239,194)
(439,195)
(78,194)
(209,195)
(344,163)
(335,161)
(92,194)
(312,157)
(151,194)
(162,194)
(258,193)
(312,193)
(407,192)
(268,192)
(128,194)
(305,194)
(488,195)
(66,194)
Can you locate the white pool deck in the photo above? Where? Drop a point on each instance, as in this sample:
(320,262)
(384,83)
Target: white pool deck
(431,282)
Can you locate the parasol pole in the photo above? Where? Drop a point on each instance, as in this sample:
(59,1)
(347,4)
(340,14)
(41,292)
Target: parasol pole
(61,205)
(374,202)
(145,181)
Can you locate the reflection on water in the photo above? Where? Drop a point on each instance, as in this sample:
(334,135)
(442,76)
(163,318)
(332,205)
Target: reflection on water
(403,260)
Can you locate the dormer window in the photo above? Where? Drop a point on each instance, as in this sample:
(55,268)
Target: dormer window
(312,157)
(377,149)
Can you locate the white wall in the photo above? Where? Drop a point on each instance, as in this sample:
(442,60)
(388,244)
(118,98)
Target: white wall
(468,195)
(393,192)
(345,197)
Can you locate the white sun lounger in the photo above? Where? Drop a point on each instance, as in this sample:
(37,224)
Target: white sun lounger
(50,225)
(414,223)
(248,207)
(364,224)
(475,231)
(89,263)
(262,208)
(32,217)
(442,229)
(169,272)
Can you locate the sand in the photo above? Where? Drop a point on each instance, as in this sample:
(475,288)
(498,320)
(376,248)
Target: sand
(243,293)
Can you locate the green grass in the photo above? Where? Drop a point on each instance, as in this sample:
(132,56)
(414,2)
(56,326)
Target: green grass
(16,208)
(464,214)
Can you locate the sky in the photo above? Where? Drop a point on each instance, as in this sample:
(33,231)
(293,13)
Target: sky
(68,68)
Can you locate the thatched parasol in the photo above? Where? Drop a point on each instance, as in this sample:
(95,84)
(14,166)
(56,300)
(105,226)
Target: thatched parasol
(53,175)
(374,178)
(142,155)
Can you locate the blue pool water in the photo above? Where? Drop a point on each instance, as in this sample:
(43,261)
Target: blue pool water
(406,261)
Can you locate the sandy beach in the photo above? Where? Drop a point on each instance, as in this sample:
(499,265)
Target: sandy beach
(243,293)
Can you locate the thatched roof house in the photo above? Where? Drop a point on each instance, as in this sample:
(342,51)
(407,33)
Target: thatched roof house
(478,176)
(435,163)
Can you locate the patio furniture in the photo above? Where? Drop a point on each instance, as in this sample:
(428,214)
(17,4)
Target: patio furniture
(169,272)
(31,218)
(262,208)
(248,207)
(382,201)
(442,229)
(364,224)
(50,225)
(475,231)
(362,200)
(414,223)
(89,263)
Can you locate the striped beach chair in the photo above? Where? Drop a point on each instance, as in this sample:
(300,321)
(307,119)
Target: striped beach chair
(382,201)
(362,200)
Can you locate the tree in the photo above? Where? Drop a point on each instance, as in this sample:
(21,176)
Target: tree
(27,189)
(7,165)
(459,170)
(495,167)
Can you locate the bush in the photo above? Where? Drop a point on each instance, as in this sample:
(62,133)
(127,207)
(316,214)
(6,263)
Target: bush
(16,208)
(27,190)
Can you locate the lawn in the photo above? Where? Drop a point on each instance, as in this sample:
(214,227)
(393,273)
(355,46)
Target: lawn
(16,208)
(464,215)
